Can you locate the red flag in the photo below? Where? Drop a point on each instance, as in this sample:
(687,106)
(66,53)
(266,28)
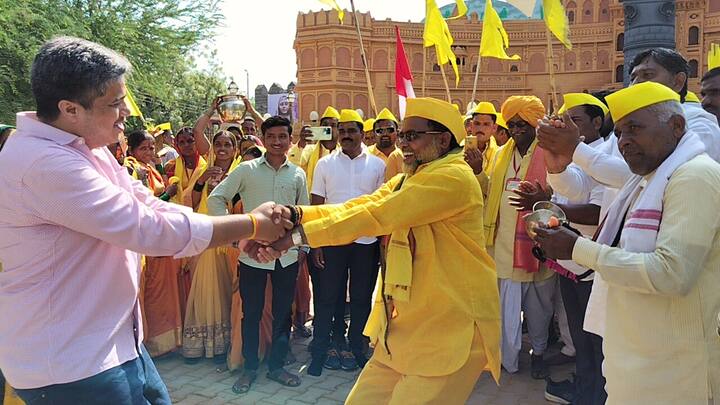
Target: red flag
(403,76)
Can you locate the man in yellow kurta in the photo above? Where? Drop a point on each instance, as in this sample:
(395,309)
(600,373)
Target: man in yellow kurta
(296,150)
(483,125)
(386,128)
(330,118)
(369,139)
(658,250)
(525,285)
(436,322)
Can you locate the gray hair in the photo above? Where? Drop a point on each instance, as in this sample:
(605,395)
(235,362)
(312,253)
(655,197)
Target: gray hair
(73,69)
(667,109)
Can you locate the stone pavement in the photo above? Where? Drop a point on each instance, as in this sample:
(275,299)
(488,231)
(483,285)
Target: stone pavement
(201,384)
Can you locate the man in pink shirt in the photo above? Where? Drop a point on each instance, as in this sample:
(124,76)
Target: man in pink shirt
(73,225)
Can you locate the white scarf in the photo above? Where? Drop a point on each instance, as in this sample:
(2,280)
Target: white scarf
(643,223)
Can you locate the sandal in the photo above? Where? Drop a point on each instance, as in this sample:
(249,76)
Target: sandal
(243,383)
(283,377)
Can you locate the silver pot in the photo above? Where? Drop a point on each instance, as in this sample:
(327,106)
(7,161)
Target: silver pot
(231,108)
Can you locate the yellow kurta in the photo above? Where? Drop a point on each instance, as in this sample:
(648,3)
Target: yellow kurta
(661,346)
(488,160)
(393,163)
(295,154)
(454,288)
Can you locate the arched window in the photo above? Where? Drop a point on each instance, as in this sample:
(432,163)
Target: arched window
(307,58)
(342,100)
(436,67)
(537,63)
(604,11)
(571,16)
(587,14)
(603,59)
(693,68)
(324,57)
(380,60)
(571,8)
(619,71)
(342,57)
(513,68)
(307,104)
(693,35)
(324,100)
(620,42)
(570,62)
(586,58)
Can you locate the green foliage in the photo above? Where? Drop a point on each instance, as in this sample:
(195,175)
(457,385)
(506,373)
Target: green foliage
(161,38)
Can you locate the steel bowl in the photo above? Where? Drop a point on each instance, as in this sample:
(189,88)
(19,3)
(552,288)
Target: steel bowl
(547,205)
(535,218)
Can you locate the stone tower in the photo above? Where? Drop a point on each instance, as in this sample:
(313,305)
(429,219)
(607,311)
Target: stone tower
(261,99)
(648,24)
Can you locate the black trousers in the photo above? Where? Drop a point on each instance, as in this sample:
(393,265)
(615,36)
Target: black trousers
(588,346)
(329,287)
(252,290)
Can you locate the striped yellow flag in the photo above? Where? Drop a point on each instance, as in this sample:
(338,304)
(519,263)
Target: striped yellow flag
(461,9)
(713,56)
(132,105)
(557,21)
(333,4)
(437,34)
(494,40)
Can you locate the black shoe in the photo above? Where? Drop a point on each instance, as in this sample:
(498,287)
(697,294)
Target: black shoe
(538,368)
(360,358)
(316,366)
(332,362)
(562,392)
(347,361)
(559,359)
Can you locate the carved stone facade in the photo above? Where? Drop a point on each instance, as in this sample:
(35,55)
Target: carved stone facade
(330,69)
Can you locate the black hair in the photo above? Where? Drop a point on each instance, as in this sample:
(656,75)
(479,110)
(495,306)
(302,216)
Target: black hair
(670,59)
(600,95)
(73,69)
(594,111)
(254,151)
(359,125)
(184,131)
(714,72)
(436,126)
(276,121)
(232,137)
(137,137)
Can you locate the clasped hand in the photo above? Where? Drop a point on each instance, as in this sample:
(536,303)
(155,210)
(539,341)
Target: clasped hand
(273,236)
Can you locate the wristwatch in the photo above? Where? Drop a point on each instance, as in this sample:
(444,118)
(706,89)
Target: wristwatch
(297,238)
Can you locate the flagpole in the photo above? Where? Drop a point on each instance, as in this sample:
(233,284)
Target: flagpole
(551,68)
(424,63)
(371,95)
(477,74)
(447,86)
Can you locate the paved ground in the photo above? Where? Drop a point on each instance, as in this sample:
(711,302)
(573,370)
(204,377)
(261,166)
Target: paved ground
(201,384)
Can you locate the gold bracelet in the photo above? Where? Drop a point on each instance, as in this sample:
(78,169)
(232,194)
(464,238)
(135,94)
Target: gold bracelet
(254,224)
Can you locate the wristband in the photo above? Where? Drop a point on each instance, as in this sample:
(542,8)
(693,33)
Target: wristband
(254,224)
(198,187)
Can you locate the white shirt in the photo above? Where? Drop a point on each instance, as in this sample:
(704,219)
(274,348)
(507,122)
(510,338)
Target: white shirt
(338,178)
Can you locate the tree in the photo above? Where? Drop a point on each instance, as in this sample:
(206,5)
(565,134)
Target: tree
(160,38)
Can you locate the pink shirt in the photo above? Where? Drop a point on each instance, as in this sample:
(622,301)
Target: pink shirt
(71,222)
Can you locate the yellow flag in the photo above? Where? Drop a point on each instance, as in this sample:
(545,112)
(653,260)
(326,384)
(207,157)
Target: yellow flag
(494,39)
(132,105)
(333,4)
(714,56)
(557,21)
(438,34)
(461,8)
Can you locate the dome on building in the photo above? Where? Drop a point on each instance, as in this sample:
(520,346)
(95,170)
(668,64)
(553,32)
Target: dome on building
(506,10)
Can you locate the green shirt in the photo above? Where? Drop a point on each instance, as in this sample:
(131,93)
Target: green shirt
(257,182)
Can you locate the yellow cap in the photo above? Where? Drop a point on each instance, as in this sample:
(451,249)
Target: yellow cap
(500,121)
(385,114)
(368,124)
(485,107)
(330,112)
(691,97)
(635,97)
(347,115)
(573,100)
(439,111)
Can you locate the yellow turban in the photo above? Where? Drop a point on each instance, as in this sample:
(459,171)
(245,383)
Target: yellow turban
(573,100)
(347,115)
(368,124)
(438,111)
(529,108)
(330,112)
(385,114)
(637,96)
(691,97)
(485,108)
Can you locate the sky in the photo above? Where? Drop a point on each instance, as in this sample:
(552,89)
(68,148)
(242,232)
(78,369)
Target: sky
(258,36)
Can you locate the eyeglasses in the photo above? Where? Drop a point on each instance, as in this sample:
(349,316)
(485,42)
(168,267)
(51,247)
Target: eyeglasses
(409,136)
(388,130)
(517,124)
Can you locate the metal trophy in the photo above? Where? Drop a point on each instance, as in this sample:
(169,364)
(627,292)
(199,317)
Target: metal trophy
(231,108)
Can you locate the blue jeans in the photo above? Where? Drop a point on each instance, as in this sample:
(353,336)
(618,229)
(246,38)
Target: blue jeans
(134,382)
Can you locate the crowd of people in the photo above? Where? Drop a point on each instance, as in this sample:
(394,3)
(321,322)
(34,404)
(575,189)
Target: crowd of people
(223,240)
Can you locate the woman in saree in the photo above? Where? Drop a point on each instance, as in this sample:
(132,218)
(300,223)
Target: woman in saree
(207,315)
(159,297)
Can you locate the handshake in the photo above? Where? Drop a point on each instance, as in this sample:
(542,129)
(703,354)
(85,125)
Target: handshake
(274,225)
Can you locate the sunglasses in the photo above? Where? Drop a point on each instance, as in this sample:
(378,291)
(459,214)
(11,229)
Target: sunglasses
(517,124)
(409,136)
(388,130)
